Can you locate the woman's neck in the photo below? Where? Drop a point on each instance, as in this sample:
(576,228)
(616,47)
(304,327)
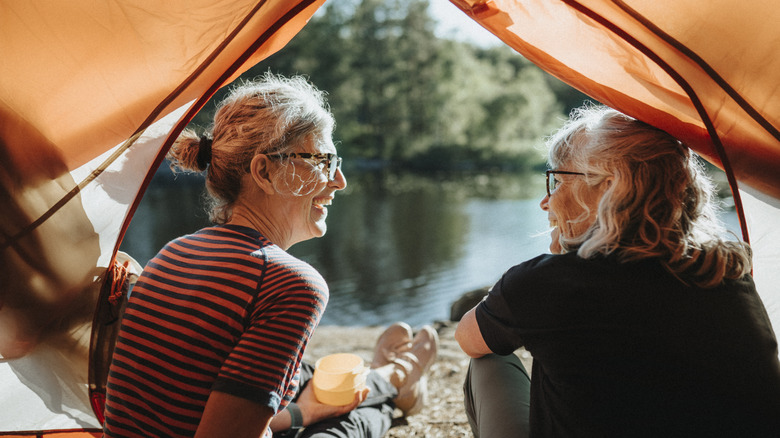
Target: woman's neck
(248,218)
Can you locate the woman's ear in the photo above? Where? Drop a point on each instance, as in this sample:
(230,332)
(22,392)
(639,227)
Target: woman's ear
(260,171)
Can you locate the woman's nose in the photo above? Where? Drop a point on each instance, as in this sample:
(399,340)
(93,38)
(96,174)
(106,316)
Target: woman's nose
(545,204)
(339,181)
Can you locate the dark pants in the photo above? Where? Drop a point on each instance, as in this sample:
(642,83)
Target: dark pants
(497,397)
(372,418)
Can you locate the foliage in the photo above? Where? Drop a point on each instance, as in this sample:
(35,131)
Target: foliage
(403,97)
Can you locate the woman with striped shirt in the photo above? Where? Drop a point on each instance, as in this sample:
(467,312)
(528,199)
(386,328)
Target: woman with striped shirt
(215,328)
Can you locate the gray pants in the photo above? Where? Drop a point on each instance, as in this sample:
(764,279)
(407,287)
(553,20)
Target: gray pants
(497,397)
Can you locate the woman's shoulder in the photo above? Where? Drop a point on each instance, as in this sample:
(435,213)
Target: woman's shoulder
(564,267)
(538,270)
(286,268)
(284,260)
(550,263)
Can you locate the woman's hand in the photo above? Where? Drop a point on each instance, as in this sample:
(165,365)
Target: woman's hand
(314,411)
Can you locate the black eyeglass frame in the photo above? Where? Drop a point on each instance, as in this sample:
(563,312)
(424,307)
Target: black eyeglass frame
(331,161)
(550,190)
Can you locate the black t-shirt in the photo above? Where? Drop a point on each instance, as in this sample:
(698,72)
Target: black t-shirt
(627,349)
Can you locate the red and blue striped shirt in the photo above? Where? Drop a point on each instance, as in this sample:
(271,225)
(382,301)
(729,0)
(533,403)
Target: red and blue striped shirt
(223,309)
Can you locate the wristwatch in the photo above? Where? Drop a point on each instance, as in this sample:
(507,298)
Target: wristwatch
(296,417)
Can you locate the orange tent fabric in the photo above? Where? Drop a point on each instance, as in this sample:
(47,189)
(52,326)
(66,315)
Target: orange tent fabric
(91,95)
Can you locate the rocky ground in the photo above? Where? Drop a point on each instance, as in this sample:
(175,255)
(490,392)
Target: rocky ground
(444,415)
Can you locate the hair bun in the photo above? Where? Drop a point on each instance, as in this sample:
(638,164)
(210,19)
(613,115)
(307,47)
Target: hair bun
(204,152)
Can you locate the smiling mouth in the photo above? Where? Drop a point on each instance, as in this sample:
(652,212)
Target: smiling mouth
(553,223)
(322,204)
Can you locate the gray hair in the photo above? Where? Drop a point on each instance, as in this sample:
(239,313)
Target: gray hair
(660,202)
(272,114)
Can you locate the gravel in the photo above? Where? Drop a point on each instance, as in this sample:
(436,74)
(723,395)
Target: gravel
(443,415)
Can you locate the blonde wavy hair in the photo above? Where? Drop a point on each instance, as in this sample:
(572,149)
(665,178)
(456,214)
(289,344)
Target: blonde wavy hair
(659,204)
(272,114)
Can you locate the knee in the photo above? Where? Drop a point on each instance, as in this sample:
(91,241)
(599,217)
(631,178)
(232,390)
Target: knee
(494,368)
(481,372)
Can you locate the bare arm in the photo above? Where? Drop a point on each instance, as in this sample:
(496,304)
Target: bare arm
(228,415)
(469,337)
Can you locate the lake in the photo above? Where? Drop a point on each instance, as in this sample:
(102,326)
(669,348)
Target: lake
(398,247)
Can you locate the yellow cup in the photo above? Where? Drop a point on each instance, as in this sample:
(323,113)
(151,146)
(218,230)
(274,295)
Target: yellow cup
(338,377)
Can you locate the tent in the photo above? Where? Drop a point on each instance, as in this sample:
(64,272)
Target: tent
(93,93)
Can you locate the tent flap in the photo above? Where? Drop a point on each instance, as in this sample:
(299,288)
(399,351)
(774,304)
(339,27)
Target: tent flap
(91,96)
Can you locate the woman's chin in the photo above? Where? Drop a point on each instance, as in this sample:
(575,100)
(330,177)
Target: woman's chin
(555,241)
(318,228)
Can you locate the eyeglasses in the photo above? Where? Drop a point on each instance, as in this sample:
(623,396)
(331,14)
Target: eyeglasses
(331,162)
(552,183)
